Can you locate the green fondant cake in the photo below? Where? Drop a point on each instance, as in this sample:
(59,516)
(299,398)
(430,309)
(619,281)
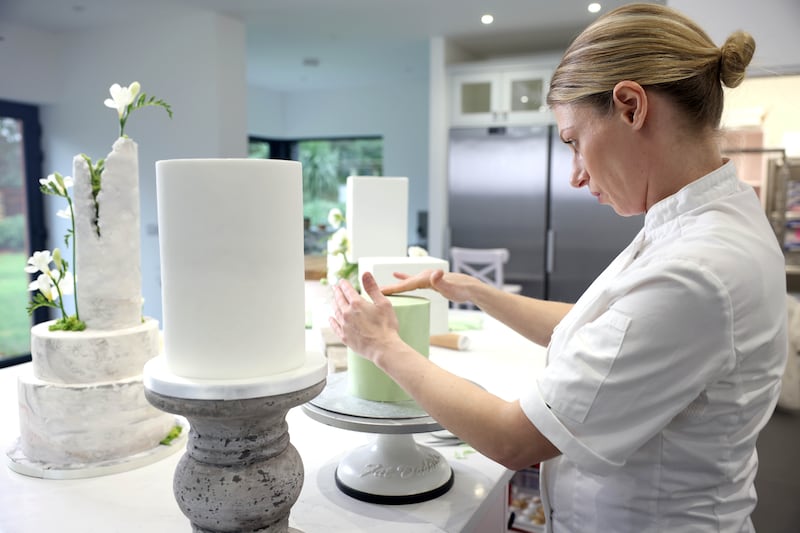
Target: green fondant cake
(367,381)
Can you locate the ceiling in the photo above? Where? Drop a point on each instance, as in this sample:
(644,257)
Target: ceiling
(354,42)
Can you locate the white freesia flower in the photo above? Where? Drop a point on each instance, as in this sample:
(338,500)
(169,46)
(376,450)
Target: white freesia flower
(50,182)
(340,265)
(338,242)
(335,218)
(57,183)
(39,262)
(65,213)
(335,263)
(417,251)
(122,97)
(44,284)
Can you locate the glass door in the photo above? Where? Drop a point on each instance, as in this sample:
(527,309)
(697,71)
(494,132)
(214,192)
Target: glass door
(21,225)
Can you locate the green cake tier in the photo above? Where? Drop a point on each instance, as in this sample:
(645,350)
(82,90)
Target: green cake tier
(367,381)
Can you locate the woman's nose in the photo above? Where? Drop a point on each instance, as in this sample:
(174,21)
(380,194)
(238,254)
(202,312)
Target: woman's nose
(579,175)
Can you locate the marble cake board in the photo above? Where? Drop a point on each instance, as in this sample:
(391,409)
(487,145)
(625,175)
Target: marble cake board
(21,464)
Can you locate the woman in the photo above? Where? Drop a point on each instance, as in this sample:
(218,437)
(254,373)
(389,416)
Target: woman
(662,374)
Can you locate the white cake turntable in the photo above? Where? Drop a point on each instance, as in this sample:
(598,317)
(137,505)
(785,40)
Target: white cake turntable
(393,469)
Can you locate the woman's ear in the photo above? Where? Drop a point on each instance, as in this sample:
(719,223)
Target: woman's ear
(630,103)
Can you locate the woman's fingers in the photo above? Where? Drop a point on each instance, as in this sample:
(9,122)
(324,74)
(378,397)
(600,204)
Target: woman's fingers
(409,283)
(349,294)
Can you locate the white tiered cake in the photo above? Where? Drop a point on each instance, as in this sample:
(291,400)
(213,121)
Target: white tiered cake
(83,407)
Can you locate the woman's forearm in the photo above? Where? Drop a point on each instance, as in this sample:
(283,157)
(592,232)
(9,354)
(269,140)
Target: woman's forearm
(496,428)
(530,317)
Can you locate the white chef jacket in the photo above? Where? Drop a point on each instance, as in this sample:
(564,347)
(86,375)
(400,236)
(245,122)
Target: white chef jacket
(661,376)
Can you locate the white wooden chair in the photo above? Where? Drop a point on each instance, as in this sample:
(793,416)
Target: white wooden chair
(485,264)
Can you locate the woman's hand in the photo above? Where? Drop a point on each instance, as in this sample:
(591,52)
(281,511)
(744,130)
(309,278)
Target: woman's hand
(368,328)
(453,286)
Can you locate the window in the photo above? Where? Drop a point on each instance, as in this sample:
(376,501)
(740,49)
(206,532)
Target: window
(326,165)
(21,226)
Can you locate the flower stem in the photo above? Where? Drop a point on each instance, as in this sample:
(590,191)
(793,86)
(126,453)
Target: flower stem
(74,261)
(122,120)
(60,296)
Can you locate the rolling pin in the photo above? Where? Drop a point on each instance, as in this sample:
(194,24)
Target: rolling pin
(453,341)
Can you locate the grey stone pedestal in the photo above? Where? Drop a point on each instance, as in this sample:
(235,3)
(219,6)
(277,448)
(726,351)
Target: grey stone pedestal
(240,472)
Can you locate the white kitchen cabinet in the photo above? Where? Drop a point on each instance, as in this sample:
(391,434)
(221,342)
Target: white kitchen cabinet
(483,96)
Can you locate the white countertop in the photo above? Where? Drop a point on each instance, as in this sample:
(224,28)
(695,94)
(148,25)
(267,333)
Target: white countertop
(142,500)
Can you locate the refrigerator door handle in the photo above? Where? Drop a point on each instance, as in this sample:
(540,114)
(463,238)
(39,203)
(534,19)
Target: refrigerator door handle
(551,250)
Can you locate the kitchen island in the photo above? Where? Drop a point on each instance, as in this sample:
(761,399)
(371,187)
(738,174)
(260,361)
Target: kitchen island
(142,500)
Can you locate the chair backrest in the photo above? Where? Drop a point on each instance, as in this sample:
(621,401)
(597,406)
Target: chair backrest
(486,264)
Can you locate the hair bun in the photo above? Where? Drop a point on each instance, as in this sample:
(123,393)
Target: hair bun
(736,54)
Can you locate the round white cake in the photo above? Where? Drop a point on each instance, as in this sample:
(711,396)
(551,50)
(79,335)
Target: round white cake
(232,271)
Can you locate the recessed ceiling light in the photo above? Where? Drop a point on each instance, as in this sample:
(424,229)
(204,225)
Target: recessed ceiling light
(594,7)
(487,19)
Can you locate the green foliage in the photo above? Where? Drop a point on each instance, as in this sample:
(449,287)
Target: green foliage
(258,150)
(15,325)
(68,323)
(173,434)
(141,101)
(96,177)
(40,300)
(317,209)
(327,164)
(12,233)
(320,164)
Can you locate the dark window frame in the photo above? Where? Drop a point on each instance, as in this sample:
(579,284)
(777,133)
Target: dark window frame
(32,157)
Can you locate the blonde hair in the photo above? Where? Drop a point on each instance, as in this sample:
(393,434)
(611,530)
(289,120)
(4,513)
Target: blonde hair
(658,48)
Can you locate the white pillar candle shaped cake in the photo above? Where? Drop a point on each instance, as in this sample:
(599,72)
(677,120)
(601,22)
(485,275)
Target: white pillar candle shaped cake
(377,216)
(367,381)
(231,242)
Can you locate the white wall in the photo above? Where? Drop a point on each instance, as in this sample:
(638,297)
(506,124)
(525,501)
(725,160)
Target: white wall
(773,24)
(195,61)
(398,113)
(266,112)
(31,64)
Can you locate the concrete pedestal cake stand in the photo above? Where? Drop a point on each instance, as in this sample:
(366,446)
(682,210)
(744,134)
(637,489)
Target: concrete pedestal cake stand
(239,472)
(394,469)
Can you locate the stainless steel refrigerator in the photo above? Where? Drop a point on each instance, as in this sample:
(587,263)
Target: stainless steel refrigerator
(509,187)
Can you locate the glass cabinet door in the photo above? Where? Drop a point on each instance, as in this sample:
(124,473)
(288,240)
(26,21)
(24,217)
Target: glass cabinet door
(476,97)
(500,97)
(526,95)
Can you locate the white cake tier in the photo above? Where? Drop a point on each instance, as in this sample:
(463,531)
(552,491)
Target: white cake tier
(86,424)
(232,272)
(91,356)
(377,216)
(109,266)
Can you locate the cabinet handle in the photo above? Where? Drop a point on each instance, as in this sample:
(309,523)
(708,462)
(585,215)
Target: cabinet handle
(551,250)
